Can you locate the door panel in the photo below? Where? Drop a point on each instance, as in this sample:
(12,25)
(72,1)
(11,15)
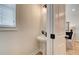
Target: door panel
(59,29)
(56,25)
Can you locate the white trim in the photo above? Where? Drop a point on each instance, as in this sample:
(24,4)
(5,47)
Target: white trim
(49,47)
(9,29)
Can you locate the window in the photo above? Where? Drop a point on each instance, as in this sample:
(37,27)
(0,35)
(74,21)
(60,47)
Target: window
(7,15)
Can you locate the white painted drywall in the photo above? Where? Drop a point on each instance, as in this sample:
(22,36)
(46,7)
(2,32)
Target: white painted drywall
(23,40)
(72,15)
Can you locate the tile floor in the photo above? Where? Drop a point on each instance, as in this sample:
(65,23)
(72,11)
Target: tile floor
(74,50)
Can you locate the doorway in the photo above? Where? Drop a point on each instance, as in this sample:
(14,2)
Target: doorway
(72,16)
(62,18)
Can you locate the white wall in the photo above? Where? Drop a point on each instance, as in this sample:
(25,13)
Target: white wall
(23,40)
(73,16)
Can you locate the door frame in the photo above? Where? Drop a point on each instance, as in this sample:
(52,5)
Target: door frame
(49,29)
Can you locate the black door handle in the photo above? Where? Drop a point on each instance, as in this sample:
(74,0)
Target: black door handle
(52,36)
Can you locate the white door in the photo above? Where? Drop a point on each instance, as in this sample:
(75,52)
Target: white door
(56,25)
(59,29)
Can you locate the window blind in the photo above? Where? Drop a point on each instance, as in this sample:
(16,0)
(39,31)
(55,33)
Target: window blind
(7,15)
